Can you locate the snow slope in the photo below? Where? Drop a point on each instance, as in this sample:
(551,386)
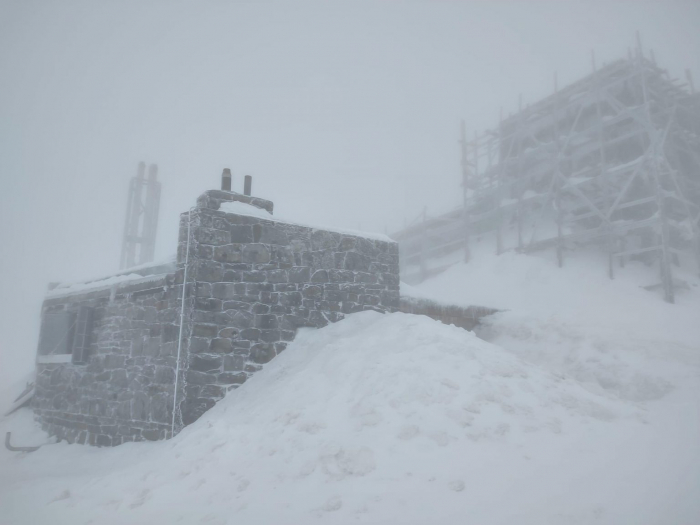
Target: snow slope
(568,416)
(612,335)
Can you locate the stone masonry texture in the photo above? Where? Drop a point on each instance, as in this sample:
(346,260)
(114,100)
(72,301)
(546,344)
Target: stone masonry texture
(124,392)
(250,283)
(467,317)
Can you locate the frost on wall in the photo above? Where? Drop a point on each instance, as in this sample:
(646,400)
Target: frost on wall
(122,387)
(250,282)
(253,281)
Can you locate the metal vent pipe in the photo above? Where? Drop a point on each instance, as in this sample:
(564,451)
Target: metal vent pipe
(247,186)
(226,180)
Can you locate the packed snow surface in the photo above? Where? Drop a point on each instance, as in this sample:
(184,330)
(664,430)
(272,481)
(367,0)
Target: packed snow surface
(573,413)
(71,288)
(135,273)
(242,208)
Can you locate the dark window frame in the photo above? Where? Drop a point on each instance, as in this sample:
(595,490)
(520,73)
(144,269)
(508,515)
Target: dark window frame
(66,333)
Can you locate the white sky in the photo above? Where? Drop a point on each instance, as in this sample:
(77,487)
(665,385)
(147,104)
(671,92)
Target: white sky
(345,113)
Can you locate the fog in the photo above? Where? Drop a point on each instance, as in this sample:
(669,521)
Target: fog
(346,114)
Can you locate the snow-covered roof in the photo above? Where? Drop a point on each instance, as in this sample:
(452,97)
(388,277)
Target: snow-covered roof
(152,271)
(241,208)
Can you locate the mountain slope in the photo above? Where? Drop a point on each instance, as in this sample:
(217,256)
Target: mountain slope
(564,417)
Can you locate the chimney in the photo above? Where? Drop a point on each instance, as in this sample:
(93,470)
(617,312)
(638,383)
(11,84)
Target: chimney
(226,180)
(247,185)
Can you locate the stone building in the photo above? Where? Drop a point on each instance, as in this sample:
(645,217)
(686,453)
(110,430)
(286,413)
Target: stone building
(141,354)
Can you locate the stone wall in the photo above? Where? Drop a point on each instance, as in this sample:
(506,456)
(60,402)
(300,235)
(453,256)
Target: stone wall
(255,281)
(249,284)
(463,317)
(124,391)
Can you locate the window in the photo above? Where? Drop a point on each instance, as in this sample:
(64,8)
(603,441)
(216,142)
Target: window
(57,333)
(83,330)
(65,336)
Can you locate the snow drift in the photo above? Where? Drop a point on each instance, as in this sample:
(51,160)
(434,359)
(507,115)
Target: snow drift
(612,336)
(568,415)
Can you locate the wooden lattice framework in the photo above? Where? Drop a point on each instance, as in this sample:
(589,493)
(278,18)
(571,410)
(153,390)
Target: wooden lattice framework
(612,160)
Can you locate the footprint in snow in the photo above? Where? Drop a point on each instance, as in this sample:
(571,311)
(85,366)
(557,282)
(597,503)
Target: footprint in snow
(199,483)
(332,504)
(213,519)
(408,432)
(63,495)
(141,498)
(441,439)
(457,485)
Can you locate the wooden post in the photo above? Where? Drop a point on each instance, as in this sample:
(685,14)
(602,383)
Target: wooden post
(665,261)
(476,156)
(623,245)
(689,78)
(519,178)
(604,172)
(465,188)
(499,201)
(424,248)
(556,175)
(654,138)
(560,216)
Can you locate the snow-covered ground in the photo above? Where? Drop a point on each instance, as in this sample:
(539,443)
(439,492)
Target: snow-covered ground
(582,407)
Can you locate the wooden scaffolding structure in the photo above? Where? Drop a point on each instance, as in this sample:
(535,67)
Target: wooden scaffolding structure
(612,160)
